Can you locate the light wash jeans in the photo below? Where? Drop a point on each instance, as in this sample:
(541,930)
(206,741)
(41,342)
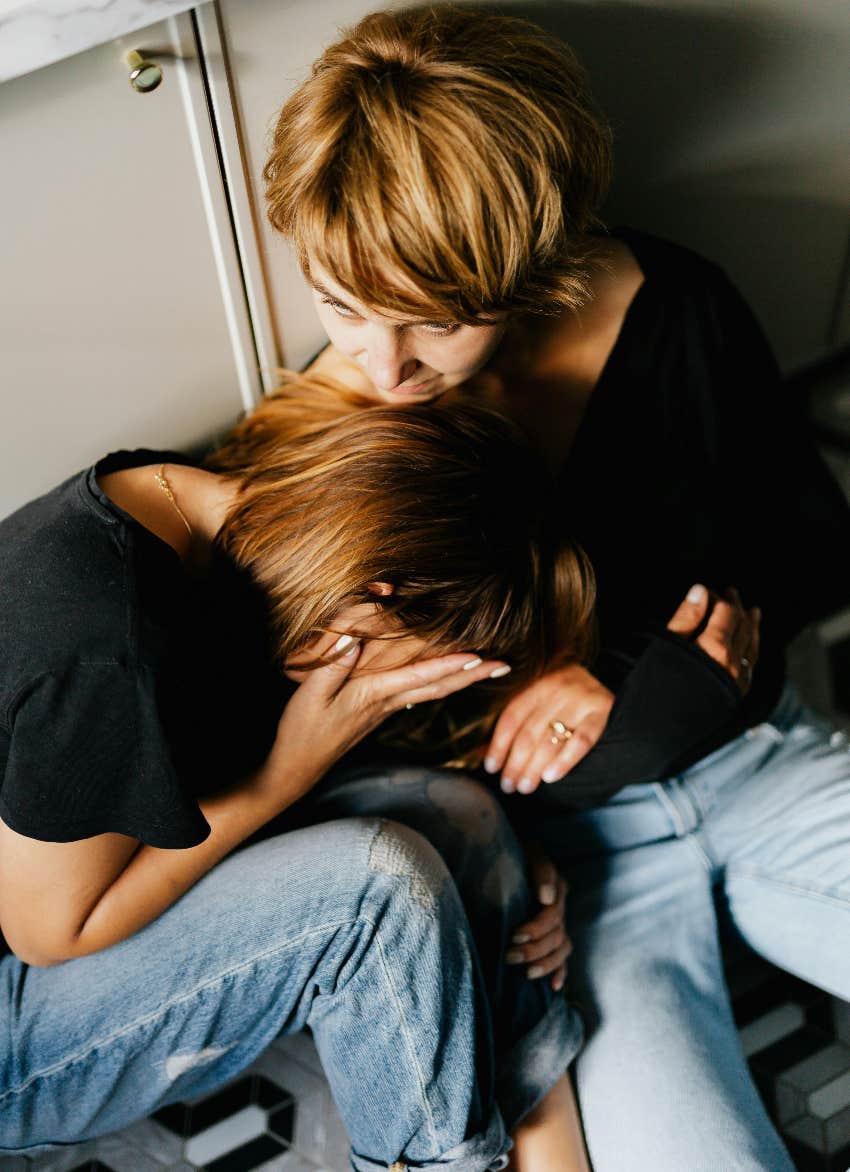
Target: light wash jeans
(763,827)
(354,928)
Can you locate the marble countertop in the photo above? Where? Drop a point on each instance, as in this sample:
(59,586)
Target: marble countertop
(34,33)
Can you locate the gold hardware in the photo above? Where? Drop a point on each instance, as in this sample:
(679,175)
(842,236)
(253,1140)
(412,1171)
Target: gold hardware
(144,75)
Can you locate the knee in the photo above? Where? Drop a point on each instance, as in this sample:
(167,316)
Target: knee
(414,866)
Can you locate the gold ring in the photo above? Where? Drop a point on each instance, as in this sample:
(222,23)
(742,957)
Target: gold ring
(562,732)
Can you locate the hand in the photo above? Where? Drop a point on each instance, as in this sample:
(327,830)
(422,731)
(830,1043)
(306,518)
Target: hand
(724,630)
(526,747)
(542,943)
(334,708)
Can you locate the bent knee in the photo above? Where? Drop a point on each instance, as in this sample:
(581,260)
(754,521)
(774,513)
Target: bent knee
(401,853)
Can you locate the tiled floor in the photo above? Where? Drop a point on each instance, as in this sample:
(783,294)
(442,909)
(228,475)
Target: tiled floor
(279,1115)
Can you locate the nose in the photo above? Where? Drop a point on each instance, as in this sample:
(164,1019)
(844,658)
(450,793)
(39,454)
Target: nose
(387,362)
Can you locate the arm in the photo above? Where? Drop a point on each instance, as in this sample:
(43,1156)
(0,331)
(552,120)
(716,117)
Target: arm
(60,900)
(639,734)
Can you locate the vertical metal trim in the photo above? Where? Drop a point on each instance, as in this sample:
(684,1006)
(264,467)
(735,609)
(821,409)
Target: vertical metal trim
(244,213)
(190,80)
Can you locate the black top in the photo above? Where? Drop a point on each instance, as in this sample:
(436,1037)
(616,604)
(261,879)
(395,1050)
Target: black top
(127,689)
(693,464)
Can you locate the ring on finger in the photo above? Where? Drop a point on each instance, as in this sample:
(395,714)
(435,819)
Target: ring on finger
(561,732)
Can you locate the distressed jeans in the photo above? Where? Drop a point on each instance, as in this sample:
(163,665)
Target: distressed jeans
(761,827)
(355,928)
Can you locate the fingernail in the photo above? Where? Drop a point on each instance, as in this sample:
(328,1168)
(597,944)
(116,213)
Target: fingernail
(558,984)
(551,773)
(696,593)
(507,784)
(498,672)
(491,764)
(520,938)
(546,894)
(471,663)
(534,972)
(343,641)
(514,956)
(525,785)
(757,614)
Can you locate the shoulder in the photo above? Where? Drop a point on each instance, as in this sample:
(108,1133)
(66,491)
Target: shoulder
(63,591)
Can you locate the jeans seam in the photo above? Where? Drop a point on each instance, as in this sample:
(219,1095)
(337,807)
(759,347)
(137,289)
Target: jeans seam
(812,892)
(69,1060)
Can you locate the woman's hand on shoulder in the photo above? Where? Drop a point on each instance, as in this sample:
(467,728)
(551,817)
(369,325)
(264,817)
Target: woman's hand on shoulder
(547,729)
(723,628)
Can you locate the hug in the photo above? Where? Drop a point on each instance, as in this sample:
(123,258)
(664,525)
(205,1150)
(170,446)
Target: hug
(489,604)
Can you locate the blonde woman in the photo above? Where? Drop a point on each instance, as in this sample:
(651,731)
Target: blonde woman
(168,903)
(440,173)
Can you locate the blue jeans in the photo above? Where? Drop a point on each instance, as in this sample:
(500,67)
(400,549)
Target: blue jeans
(762,826)
(354,928)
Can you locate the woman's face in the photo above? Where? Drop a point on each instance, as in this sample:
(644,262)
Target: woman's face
(405,360)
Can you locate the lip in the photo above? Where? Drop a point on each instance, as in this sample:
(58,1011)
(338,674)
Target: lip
(415,389)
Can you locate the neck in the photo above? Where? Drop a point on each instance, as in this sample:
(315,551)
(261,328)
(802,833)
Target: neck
(204,498)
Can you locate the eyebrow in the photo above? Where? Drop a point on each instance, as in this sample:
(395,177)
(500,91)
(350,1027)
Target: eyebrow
(326,292)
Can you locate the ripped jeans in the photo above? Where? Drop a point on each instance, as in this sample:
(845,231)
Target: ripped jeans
(760,827)
(388,949)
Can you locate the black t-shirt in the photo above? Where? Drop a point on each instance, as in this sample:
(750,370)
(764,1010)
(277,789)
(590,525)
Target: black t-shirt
(693,463)
(127,689)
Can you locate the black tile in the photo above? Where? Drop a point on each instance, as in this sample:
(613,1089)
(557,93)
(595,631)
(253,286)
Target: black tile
(92,1166)
(187,1119)
(282,1121)
(249,1156)
(266,1093)
(806,1159)
(790,1050)
(777,989)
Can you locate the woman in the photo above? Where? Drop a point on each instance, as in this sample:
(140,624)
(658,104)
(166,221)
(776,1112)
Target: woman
(440,173)
(147,735)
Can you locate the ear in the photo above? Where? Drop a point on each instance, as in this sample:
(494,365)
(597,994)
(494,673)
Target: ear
(381,589)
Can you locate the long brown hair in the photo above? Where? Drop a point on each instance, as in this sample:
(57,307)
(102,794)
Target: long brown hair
(444,162)
(446,502)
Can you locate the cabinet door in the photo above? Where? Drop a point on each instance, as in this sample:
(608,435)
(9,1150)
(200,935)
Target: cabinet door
(122,317)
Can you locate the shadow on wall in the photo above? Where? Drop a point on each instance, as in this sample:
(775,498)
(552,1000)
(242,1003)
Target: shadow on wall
(731,136)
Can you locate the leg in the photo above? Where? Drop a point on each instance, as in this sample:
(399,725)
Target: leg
(535,1034)
(354,929)
(783,832)
(662,1081)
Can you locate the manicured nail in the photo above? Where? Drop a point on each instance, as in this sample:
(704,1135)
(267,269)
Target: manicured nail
(520,938)
(514,956)
(498,672)
(534,972)
(546,894)
(551,773)
(343,641)
(696,593)
(525,785)
(491,765)
(507,784)
(558,984)
(471,663)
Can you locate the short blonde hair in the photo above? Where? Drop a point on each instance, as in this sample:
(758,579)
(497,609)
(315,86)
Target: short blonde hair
(444,163)
(446,502)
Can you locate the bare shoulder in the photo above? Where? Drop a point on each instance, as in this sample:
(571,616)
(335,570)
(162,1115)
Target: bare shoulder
(576,345)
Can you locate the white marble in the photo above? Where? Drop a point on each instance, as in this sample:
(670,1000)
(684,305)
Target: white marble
(34,33)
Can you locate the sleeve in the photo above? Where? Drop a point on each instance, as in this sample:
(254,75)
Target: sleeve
(784,526)
(671,705)
(87,755)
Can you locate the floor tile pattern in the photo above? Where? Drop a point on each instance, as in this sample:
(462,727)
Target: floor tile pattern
(279,1115)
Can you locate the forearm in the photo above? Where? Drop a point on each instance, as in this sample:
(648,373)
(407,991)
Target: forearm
(154,879)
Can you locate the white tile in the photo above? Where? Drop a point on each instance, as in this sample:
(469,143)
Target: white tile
(155,1141)
(287,1162)
(819,1068)
(828,1100)
(301,1048)
(230,1133)
(764,1031)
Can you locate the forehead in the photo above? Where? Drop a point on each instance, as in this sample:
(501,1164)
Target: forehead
(324,282)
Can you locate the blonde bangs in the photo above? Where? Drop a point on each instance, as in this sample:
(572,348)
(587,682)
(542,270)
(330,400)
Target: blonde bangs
(443,164)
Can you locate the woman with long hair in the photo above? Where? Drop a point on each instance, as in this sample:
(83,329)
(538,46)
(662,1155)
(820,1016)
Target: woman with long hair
(440,174)
(168,902)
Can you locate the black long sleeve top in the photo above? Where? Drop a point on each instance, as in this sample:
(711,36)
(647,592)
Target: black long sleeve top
(693,464)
